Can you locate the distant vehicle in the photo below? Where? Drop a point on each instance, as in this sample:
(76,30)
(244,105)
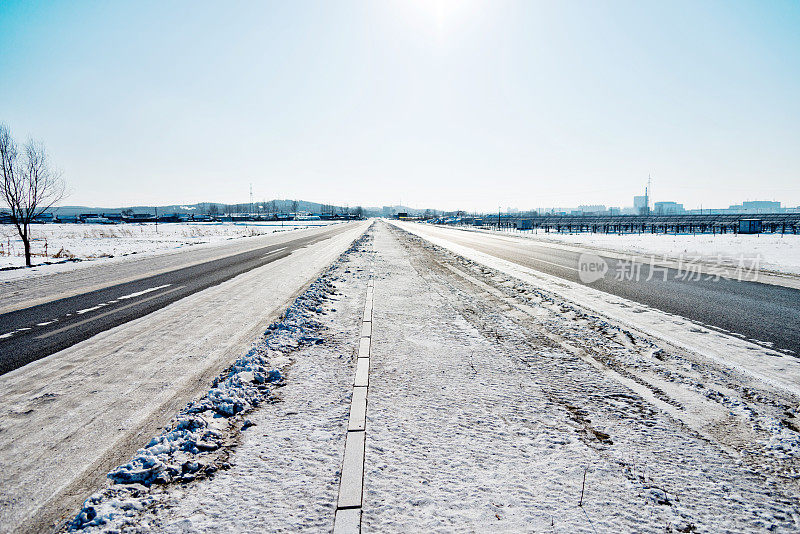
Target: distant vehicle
(44,218)
(98,220)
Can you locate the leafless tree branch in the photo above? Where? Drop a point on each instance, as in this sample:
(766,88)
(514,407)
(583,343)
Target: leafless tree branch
(29,186)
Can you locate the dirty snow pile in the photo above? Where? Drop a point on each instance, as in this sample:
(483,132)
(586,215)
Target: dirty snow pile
(200,439)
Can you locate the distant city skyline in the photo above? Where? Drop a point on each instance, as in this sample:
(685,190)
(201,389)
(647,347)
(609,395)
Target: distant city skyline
(449,104)
(639,207)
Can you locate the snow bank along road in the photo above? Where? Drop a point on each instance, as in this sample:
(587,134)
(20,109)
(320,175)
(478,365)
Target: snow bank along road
(37,331)
(763,313)
(68,418)
(493,405)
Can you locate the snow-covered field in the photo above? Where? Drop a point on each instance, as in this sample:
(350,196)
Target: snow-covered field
(59,242)
(775,252)
(495,405)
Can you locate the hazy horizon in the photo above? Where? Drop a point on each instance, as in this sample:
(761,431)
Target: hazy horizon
(447,105)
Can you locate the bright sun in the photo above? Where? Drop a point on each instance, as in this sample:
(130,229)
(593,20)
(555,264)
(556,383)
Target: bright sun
(442,14)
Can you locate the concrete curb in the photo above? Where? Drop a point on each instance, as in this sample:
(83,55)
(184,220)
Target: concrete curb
(351,482)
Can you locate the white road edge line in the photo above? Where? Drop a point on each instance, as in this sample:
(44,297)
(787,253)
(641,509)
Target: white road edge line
(123,297)
(109,312)
(140,293)
(271,252)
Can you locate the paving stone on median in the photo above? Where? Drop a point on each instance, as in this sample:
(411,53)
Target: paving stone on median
(352,478)
(358,409)
(362,372)
(363,347)
(366,329)
(348,521)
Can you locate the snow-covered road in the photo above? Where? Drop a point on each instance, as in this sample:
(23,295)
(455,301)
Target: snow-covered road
(756,309)
(67,419)
(101,243)
(777,252)
(23,288)
(495,404)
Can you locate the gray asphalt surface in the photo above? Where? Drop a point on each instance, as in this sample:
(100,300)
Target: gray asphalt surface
(38,331)
(760,312)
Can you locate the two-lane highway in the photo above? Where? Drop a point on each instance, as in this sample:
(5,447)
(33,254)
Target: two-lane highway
(69,418)
(767,314)
(34,332)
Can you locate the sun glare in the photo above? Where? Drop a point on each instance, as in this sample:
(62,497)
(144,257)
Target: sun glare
(440,14)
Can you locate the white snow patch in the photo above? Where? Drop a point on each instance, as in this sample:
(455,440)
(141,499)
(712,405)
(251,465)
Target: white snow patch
(775,252)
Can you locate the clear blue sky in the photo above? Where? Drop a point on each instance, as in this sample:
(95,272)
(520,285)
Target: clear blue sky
(447,104)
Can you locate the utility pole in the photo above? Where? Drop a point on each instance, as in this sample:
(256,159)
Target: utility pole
(251,198)
(156,219)
(498,218)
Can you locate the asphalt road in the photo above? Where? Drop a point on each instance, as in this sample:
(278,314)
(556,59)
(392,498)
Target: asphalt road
(768,314)
(32,333)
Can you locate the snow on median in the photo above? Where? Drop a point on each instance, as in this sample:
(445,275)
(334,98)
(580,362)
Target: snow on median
(201,438)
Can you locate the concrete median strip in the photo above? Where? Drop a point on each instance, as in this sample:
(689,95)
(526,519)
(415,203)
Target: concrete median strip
(362,372)
(363,347)
(358,409)
(351,484)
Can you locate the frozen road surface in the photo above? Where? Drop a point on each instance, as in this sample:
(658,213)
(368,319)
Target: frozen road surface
(428,385)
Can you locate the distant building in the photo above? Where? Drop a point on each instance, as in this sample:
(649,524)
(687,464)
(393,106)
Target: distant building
(595,209)
(757,206)
(641,205)
(762,206)
(668,208)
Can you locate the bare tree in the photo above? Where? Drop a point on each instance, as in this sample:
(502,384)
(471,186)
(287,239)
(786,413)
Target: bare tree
(29,186)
